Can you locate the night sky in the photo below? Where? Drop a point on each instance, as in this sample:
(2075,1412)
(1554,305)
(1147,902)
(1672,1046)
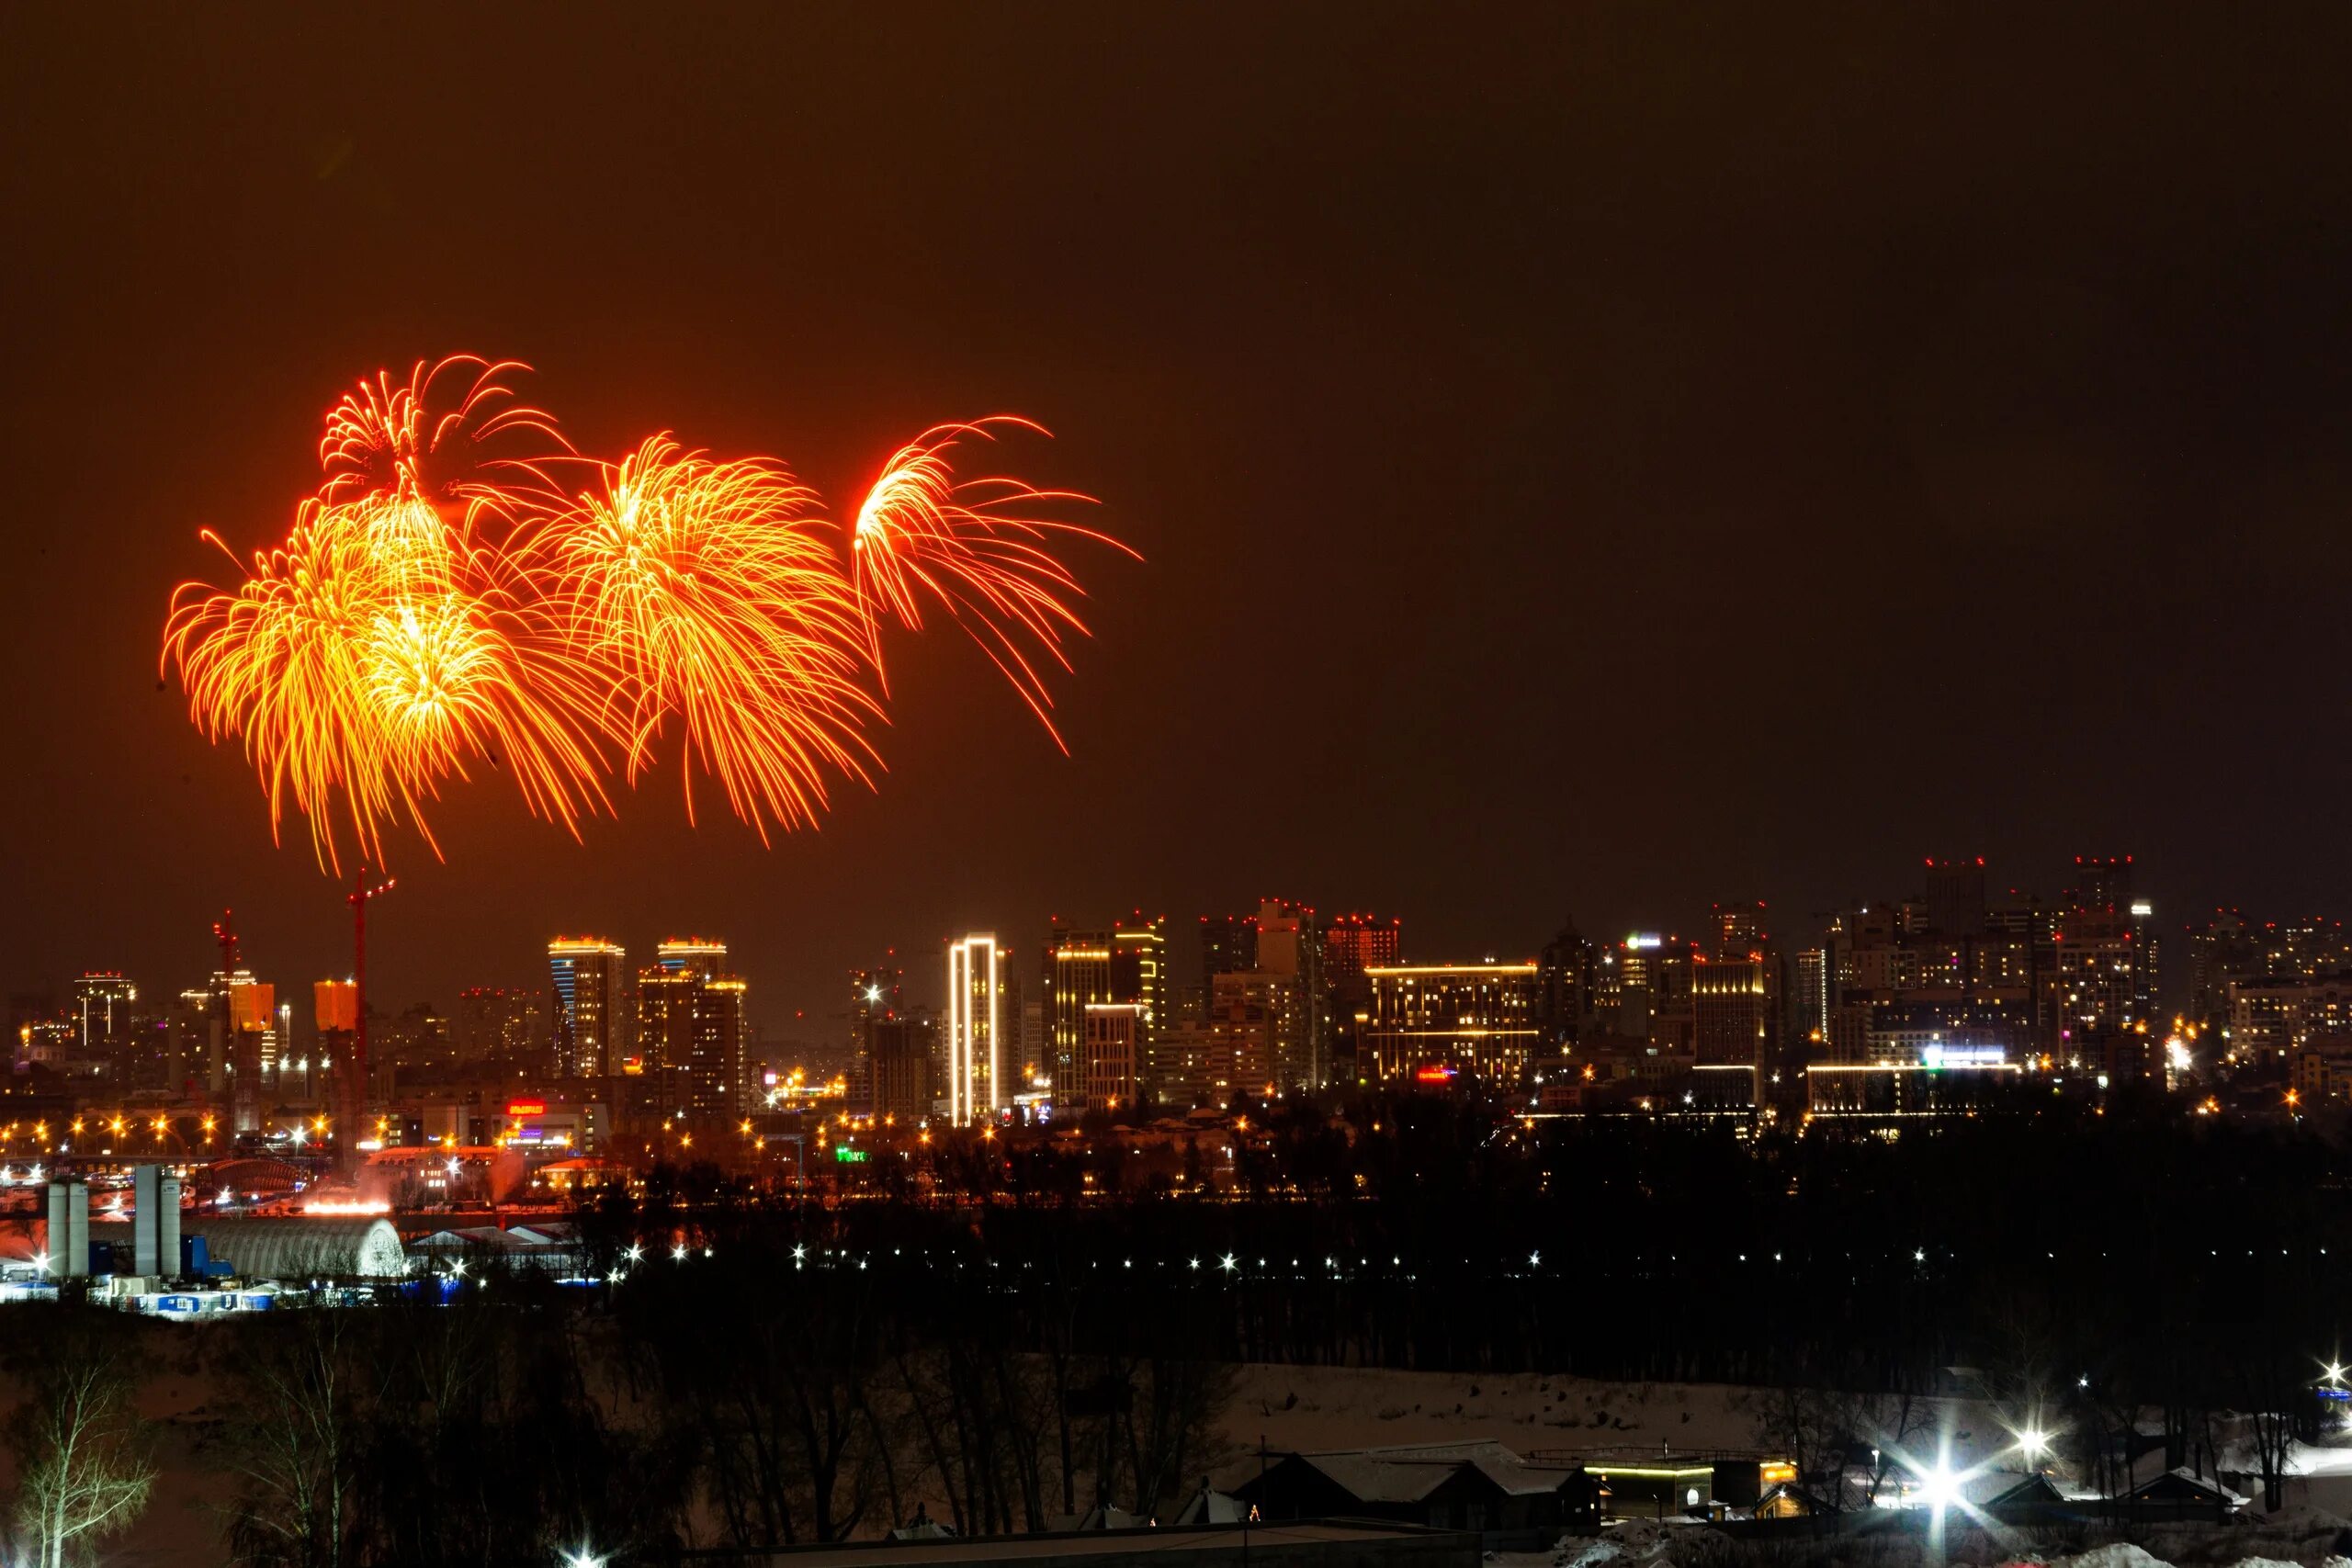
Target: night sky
(1591,458)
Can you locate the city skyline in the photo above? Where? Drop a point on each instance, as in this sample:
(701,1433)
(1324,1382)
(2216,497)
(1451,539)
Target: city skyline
(1185,954)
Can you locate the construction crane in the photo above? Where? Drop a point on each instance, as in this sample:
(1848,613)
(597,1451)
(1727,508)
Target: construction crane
(224,932)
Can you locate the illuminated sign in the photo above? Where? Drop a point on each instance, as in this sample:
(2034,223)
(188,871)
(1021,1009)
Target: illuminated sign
(843,1153)
(1645,939)
(1433,1075)
(526,1107)
(1962,1057)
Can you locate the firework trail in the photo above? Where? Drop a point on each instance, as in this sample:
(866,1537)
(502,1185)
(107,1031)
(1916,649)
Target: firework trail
(444,601)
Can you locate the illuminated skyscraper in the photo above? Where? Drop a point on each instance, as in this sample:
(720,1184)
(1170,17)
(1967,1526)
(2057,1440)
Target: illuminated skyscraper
(904,1066)
(976,1072)
(1290,946)
(102,1009)
(589,1020)
(876,995)
(1730,1041)
(1078,971)
(695,955)
(1112,1031)
(690,1030)
(1139,973)
(1354,944)
(1436,1023)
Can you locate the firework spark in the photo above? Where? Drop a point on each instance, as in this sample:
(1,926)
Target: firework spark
(974,546)
(444,601)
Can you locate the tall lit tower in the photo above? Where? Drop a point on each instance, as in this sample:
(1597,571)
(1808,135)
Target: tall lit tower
(690,1029)
(587,978)
(974,1072)
(102,1000)
(1139,973)
(1077,972)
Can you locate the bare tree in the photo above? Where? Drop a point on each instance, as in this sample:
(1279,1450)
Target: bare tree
(306,1384)
(80,1451)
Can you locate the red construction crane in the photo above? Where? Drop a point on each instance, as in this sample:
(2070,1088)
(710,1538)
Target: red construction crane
(361,891)
(224,932)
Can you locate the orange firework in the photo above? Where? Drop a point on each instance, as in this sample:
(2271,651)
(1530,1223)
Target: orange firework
(970,545)
(703,589)
(377,654)
(442,601)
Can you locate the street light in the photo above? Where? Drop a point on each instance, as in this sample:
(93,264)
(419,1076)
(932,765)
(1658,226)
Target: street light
(583,1558)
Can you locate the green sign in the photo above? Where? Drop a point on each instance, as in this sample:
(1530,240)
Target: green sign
(848,1156)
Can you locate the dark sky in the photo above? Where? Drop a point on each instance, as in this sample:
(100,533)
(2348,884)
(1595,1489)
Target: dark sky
(1594,459)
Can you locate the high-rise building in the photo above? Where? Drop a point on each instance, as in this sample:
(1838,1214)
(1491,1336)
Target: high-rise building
(1435,1023)
(1140,969)
(1180,1072)
(2102,884)
(976,1088)
(1738,928)
(1229,946)
(1289,946)
(102,1003)
(1354,944)
(1570,969)
(1246,1011)
(690,1034)
(503,1028)
(692,956)
(905,1085)
(590,1021)
(1078,971)
(1730,1041)
(875,996)
(1955,899)
(1814,996)
(1112,1031)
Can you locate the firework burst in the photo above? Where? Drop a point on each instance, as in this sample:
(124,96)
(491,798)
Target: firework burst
(442,601)
(978,548)
(706,590)
(374,656)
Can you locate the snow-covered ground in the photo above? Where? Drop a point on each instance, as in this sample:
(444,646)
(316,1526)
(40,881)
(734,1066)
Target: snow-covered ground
(1337,1407)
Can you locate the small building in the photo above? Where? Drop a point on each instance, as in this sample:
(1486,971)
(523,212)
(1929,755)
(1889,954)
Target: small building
(2032,1500)
(2177,1495)
(1788,1500)
(1210,1507)
(1477,1486)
